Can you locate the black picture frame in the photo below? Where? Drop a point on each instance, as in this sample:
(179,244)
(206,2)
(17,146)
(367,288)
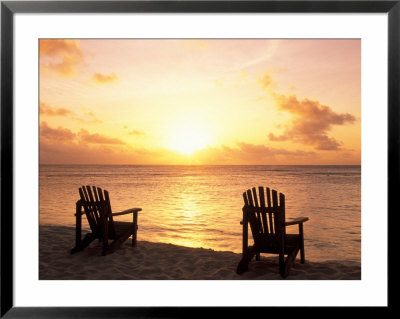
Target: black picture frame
(9,8)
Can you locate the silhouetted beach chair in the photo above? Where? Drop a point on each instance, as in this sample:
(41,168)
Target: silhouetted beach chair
(97,208)
(268,226)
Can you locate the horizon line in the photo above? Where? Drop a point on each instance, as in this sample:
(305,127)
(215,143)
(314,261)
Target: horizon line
(85,164)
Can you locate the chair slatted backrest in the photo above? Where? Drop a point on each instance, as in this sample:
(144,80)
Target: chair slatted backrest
(266,216)
(95,203)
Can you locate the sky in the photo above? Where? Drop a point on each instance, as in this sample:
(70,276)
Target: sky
(200,101)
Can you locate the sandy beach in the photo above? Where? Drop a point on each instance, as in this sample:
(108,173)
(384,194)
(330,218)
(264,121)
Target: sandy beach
(159,261)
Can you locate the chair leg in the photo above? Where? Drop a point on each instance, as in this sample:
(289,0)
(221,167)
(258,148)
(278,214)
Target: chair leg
(285,266)
(135,228)
(246,258)
(83,243)
(134,238)
(117,243)
(105,247)
(302,254)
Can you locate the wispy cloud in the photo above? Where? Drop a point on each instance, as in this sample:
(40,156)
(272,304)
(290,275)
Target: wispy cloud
(254,62)
(266,57)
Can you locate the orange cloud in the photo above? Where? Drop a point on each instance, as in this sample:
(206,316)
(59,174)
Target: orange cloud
(47,110)
(100,78)
(87,117)
(310,123)
(60,56)
(62,146)
(59,134)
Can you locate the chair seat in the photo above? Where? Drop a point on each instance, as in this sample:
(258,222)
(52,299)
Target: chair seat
(122,228)
(292,241)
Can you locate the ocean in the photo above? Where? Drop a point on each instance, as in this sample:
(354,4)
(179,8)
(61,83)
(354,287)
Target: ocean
(201,206)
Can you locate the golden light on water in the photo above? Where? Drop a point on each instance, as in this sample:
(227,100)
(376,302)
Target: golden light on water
(190,212)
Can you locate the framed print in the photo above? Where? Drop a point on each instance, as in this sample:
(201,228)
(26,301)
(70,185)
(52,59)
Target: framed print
(162,156)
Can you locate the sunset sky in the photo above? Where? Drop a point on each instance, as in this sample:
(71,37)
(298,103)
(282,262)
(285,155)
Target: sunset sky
(200,101)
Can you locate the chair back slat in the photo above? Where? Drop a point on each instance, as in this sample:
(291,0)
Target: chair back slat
(100,192)
(255,197)
(109,213)
(269,214)
(282,212)
(250,198)
(95,204)
(88,208)
(250,217)
(258,214)
(96,197)
(246,201)
(277,223)
(265,217)
(262,205)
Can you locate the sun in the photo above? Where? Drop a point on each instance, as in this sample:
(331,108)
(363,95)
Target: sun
(188,137)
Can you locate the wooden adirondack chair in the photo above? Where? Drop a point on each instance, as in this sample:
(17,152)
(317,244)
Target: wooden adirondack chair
(268,227)
(97,208)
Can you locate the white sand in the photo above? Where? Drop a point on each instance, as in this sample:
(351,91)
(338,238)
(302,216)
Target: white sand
(157,261)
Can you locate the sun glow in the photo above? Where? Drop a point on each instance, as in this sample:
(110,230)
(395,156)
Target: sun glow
(188,137)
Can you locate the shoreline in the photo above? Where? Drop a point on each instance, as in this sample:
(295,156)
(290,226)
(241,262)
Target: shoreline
(161,261)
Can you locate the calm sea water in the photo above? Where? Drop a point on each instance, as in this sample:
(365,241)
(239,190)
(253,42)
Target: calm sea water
(200,206)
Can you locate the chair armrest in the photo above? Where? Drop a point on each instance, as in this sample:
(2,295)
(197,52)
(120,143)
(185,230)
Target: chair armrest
(127,211)
(296,221)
